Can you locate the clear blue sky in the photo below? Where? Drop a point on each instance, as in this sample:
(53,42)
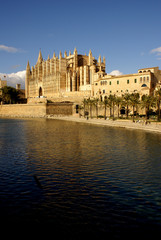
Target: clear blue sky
(125,32)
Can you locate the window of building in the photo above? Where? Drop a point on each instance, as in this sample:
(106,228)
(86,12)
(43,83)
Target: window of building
(110,91)
(144,79)
(77,108)
(135,80)
(96,84)
(147,79)
(127,90)
(117,81)
(110,83)
(128,81)
(141,79)
(144,85)
(121,90)
(103,90)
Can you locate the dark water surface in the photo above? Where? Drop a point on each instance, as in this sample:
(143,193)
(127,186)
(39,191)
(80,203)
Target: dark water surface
(80,178)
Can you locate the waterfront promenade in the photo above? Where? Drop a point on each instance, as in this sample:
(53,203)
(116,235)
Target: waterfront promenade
(137,125)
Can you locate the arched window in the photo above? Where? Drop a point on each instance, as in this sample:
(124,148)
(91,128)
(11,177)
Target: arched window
(144,85)
(40,92)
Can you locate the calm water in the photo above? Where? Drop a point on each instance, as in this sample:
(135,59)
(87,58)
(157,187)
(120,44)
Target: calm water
(80,178)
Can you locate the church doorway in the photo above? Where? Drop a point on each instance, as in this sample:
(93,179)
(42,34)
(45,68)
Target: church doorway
(40,91)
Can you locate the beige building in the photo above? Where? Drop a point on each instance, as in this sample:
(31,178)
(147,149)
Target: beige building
(143,82)
(3,83)
(68,78)
(75,77)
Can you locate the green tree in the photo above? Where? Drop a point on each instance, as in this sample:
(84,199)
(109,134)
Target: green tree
(158,100)
(109,103)
(95,102)
(90,103)
(148,102)
(112,100)
(9,95)
(126,101)
(119,101)
(105,103)
(134,101)
(85,103)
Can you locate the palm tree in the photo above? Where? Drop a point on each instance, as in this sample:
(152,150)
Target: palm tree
(126,98)
(112,100)
(147,103)
(85,103)
(105,103)
(118,103)
(134,101)
(95,102)
(109,103)
(158,99)
(91,103)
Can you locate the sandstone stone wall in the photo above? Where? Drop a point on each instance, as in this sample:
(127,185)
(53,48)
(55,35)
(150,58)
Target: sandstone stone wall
(23,110)
(59,109)
(36,110)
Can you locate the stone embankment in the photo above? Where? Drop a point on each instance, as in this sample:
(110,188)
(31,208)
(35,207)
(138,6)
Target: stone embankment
(36,109)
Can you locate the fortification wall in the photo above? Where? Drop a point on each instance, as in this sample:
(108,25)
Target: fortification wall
(59,109)
(23,110)
(36,110)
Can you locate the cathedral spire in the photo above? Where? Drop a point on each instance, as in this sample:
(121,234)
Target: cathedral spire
(54,56)
(99,59)
(90,52)
(40,59)
(104,60)
(60,55)
(75,51)
(90,58)
(28,66)
(65,54)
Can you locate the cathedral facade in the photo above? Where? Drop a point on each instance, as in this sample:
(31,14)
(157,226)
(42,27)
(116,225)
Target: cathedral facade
(70,76)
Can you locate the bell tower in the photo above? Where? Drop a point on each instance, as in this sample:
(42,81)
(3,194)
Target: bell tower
(27,79)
